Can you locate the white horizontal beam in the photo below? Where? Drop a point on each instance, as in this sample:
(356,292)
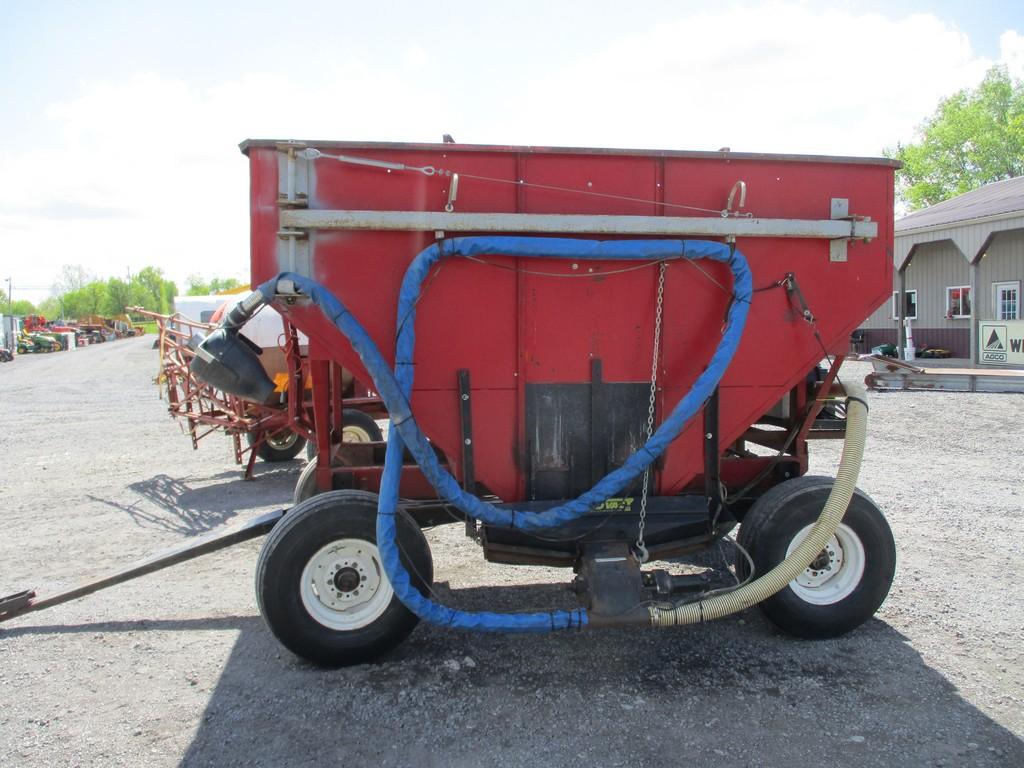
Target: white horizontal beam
(429,221)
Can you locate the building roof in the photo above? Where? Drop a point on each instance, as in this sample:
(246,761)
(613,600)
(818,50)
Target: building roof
(999,197)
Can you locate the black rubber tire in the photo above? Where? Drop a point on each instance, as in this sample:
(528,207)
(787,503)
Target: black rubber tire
(352,417)
(305,486)
(275,454)
(300,534)
(769,527)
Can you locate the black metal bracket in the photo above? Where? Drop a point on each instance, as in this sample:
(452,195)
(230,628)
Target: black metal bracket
(712,458)
(611,586)
(598,423)
(794,292)
(466,432)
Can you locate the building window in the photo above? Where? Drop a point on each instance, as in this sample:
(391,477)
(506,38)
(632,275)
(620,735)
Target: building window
(1006,300)
(910,305)
(958,301)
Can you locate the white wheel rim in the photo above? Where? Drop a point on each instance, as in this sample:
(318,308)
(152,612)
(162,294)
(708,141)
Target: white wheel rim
(353,434)
(836,573)
(282,440)
(331,599)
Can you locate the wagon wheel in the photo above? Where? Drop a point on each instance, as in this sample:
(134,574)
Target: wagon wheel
(282,445)
(845,584)
(357,427)
(321,586)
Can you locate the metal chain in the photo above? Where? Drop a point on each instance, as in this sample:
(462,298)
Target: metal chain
(659,306)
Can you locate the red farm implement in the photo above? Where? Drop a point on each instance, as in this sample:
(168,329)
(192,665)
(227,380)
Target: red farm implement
(204,410)
(596,359)
(274,426)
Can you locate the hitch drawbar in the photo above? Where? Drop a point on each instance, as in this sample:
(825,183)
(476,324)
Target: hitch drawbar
(26,602)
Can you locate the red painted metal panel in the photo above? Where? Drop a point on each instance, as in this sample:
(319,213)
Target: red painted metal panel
(344,186)
(622,177)
(513,328)
(263,213)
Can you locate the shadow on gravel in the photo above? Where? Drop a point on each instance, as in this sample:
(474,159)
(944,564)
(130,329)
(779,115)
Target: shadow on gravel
(733,692)
(191,506)
(143,625)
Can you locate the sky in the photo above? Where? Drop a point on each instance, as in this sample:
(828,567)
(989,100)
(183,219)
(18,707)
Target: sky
(119,121)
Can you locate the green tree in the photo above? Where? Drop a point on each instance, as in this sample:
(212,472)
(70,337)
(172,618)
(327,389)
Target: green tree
(121,295)
(976,136)
(159,291)
(224,284)
(148,289)
(88,300)
(16,307)
(196,286)
(21,307)
(199,287)
(50,308)
(170,290)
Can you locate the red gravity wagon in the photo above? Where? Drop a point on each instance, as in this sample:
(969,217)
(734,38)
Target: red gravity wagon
(597,359)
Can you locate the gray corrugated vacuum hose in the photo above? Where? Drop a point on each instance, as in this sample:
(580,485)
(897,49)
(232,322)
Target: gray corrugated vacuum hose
(824,528)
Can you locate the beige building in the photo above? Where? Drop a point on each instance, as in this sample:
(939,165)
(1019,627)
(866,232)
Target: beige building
(960,265)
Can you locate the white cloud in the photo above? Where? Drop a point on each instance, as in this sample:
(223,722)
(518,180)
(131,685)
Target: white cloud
(778,77)
(147,170)
(1011,52)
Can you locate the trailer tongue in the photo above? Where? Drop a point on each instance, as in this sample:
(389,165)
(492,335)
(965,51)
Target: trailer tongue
(27,602)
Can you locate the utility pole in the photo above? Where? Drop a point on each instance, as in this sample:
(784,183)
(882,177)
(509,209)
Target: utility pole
(8,340)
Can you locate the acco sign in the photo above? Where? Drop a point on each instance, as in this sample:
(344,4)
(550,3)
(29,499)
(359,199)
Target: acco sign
(1002,342)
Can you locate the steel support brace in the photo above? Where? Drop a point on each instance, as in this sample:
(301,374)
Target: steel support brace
(598,423)
(295,390)
(821,396)
(466,429)
(337,403)
(712,457)
(669,226)
(320,372)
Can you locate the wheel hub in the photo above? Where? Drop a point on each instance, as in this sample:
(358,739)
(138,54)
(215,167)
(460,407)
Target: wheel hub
(835,573)
(353,434)
(346,579)
(824,566)
(343,585)
(282,440)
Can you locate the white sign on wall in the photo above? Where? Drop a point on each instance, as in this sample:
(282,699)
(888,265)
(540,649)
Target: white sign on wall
(1001,342)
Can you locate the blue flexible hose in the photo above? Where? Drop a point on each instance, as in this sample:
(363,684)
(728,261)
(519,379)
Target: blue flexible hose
(395,390)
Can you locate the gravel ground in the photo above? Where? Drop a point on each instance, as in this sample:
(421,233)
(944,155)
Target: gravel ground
(178,668)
